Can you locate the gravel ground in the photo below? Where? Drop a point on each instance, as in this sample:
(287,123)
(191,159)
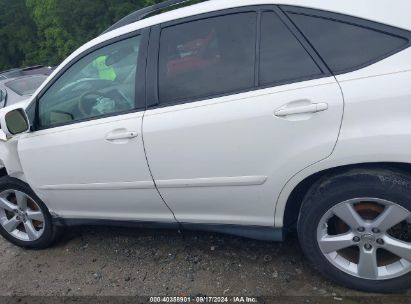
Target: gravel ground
(107,261)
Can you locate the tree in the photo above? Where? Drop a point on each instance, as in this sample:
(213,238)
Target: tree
(47,31)
(54,42)
(17,38)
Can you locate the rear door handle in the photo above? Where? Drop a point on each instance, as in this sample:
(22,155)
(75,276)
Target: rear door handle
(311,108)
(121,135)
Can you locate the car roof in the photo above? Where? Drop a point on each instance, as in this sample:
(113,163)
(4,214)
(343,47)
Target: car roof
(20,72)
(5,81)
(382,11)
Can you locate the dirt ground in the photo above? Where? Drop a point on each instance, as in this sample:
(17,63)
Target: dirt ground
(107,261)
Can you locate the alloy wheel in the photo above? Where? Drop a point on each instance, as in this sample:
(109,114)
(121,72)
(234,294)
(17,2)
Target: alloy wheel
(369,238)
(21,216)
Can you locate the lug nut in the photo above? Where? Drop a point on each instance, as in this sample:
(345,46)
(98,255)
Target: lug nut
(375,230)
(361,229)
(380,241)
(356,239)
(367,247)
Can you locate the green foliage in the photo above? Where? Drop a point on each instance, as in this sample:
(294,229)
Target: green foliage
(47,31)
(18,36)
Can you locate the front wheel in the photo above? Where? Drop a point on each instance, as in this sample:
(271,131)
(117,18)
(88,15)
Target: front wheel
(356,229)
(24,219)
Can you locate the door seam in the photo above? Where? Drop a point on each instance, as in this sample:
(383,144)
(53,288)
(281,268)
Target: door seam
(319,161)
(151,174)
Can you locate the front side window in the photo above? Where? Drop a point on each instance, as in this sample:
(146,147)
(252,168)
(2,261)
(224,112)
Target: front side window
(101,83)
(345,46)
(207,57)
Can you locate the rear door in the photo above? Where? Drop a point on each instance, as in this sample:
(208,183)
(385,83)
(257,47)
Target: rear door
(238,105)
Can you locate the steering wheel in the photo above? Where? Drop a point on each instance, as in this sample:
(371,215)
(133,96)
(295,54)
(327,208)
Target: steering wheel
(86,104)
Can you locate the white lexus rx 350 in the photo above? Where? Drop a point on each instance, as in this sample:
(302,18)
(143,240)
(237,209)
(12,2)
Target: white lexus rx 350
(247,117)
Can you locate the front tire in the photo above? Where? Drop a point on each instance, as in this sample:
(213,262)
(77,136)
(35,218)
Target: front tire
(24,219)
(355,228)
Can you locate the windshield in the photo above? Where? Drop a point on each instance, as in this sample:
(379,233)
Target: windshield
(26,85)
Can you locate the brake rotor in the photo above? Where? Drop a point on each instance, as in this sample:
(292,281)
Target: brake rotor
(368,211)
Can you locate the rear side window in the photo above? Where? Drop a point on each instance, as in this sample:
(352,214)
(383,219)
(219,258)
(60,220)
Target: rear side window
(345,45)
(282,57)
(207,57)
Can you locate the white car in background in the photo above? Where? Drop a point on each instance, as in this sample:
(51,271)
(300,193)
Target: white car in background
(248,117)
(20,83)
(17,89)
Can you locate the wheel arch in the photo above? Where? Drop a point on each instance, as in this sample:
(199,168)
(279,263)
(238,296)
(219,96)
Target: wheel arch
(296,196)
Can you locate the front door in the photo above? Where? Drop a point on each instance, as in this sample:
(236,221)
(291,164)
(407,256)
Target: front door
(86,158)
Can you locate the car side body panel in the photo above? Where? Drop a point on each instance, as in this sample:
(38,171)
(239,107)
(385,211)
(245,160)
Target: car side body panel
(79,172)
(206,178)
(377,103)
(376,127)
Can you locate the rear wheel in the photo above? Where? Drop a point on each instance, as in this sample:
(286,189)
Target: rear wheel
(356,229)
(24,219)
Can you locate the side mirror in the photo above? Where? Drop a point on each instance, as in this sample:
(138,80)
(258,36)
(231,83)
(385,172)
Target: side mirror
(14,122)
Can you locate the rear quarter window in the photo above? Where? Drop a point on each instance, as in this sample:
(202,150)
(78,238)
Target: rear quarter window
(282,58)
(348,43)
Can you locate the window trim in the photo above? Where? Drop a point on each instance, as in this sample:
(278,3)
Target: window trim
(140,81)
(347,19)
(3,96)
(153,101)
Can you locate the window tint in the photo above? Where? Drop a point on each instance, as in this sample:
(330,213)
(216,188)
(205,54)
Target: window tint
(346,46)
(101,83)
(207,57)
(282,57)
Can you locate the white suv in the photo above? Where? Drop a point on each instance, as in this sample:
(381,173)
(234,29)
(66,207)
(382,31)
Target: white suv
(247,117)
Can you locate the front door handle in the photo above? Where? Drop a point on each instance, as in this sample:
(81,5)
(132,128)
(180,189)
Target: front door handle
(302,109)
(121,135)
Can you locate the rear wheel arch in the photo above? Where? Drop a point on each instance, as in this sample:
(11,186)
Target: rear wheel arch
(296,197)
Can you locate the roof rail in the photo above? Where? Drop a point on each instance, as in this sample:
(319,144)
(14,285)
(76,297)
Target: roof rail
(141,14)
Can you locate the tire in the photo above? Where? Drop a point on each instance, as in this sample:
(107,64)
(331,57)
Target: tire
(381,197)
(44,233)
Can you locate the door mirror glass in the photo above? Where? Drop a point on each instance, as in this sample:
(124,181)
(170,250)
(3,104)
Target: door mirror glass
(16,121)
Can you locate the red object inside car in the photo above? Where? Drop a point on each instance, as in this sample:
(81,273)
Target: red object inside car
(192,56)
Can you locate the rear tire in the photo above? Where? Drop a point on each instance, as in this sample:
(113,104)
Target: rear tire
(355,208)
(24,219)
